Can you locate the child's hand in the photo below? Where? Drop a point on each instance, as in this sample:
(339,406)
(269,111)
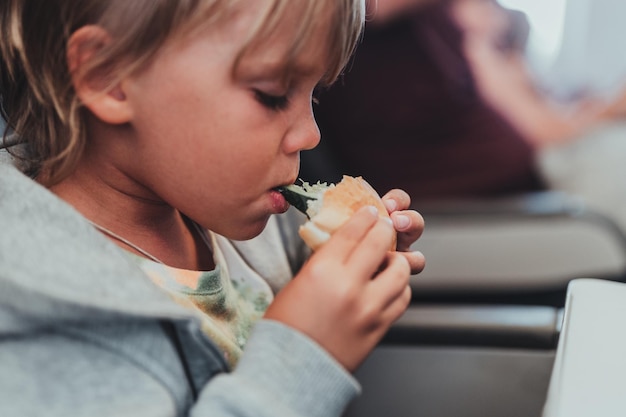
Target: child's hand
(350,291)
(409,225)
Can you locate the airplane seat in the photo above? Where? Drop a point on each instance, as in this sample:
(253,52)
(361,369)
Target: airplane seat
(520,249)
(480,336)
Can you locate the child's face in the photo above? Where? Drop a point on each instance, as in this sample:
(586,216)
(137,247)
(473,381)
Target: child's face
(215,147)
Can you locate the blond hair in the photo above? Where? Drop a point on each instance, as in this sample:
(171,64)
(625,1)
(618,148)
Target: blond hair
(37,98)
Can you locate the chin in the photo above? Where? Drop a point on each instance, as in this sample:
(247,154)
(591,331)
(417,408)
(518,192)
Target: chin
(248,231)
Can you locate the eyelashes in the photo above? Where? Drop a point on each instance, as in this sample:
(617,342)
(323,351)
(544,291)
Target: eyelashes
(270,101)
(274,102)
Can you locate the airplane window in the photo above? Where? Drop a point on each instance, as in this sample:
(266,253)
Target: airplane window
(546,21)
(574,46)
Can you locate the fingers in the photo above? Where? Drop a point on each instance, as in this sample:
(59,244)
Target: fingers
(408,223)
(351,234)
(396,199)
(360,306)
(410,226)
(416,260)
(391,289)
(367,257)
(397,307)
(392,280)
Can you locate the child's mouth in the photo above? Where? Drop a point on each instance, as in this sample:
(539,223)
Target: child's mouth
(279,203)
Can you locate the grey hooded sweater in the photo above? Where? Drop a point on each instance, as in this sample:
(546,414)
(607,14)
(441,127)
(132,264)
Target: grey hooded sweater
(83,332)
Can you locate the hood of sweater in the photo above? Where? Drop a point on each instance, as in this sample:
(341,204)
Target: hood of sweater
(56,268)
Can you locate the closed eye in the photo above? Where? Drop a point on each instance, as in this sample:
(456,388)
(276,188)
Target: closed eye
(272,102)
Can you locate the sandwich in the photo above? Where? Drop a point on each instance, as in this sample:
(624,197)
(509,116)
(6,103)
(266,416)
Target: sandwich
(329,206)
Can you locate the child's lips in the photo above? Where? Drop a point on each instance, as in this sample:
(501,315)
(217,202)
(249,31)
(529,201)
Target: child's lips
(279,204)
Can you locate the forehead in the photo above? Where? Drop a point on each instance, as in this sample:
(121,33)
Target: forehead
(294,34)
(278,53)
(293,37)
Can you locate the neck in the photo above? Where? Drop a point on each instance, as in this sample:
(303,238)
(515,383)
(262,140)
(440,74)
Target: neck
(139,218)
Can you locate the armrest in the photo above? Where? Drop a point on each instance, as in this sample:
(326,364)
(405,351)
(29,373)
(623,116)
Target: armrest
(528,327)
(529,244)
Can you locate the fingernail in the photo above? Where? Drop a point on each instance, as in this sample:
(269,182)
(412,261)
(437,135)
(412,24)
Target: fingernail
(390,204)
(401,221)
(373,210)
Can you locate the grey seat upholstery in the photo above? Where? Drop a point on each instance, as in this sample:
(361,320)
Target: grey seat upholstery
(528,245)
(523,248)
(480,336)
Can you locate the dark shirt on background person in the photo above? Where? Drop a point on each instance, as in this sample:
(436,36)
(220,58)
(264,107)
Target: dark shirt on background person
(407,114)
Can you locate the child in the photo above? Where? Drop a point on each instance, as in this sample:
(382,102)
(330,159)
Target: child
(146,269)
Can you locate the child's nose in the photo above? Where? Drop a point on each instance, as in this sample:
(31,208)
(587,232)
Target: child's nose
(304,134)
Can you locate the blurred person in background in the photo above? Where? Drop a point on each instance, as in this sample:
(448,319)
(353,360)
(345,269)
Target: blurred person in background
(441,103)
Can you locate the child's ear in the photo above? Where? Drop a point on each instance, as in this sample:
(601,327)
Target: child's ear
(109,105)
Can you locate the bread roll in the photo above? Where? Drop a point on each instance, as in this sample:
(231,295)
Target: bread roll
(335,204)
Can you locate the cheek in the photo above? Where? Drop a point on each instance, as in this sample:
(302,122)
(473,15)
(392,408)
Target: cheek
(230,170)
(225,208)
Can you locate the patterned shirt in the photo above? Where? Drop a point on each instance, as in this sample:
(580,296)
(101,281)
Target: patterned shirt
(230,304)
